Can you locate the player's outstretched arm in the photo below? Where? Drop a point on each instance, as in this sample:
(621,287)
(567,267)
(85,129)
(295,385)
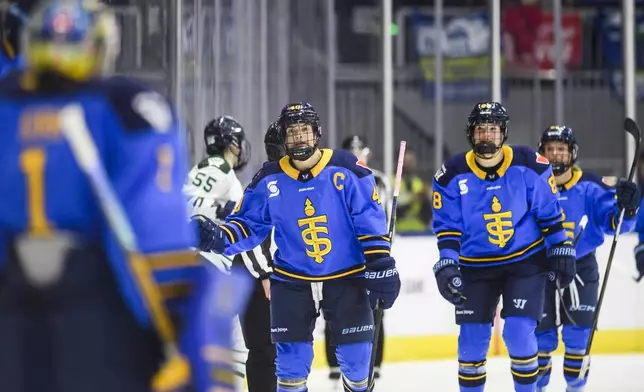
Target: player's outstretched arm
(544,199)
(246,228)
(447,224)
(370,225)
(607,202)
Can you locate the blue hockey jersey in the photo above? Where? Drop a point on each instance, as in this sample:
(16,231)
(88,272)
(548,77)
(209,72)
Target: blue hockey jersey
(594,196)
(482,220)
(328,220)
(639,225)
(44,191)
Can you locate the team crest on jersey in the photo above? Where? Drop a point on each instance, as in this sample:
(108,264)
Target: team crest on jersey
(541,159)
(313,226)
(499,224)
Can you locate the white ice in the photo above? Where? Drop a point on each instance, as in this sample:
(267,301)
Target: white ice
(609,373)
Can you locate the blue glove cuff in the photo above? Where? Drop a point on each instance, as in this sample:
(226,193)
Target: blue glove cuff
(442,263)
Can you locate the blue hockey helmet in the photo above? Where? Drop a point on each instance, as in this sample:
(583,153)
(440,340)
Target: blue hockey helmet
(487,113)
(564,134)
(273,143)
(225,132)
(304,114)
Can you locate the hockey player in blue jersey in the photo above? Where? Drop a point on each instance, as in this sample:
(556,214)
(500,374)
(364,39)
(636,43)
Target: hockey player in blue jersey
(600,199)
(498,224)
(77,312)
(333,249)
(639,225)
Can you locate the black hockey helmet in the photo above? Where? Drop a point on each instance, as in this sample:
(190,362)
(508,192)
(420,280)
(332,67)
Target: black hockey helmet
(224,132)
(300,113)
(273,144)
(557,133)
(487,113)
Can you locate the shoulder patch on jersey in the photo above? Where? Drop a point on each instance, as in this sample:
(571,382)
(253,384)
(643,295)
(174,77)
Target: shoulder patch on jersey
(541,159)
(451,168)
(603,182)
(138,107)
(611,181)
(529,158)
(347,160)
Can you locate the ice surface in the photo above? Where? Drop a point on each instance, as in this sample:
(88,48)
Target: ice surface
(609,373)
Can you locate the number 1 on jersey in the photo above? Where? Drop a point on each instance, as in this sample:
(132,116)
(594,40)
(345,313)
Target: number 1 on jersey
(32,163)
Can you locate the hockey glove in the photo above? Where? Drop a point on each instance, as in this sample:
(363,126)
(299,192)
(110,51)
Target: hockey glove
(562,261)
(211,237)
(449,281)
(639,258)
(225,210)
(382,281)
(628,197)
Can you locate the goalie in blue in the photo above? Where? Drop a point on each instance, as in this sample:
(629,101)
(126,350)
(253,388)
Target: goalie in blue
(600,200)
(499,228)
(333,248)
(77,312)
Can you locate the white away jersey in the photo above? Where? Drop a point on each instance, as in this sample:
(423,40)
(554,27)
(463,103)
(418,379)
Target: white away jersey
(210,186)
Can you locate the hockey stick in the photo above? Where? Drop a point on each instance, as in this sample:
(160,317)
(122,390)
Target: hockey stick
(631,127)
(582,223)
(392,225)
(74,129)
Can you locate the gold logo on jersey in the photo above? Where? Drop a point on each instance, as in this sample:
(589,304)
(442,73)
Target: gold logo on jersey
(374,195)
(568,226)
(312,227)
(499,224)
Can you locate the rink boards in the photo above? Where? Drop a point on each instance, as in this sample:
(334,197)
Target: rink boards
(421,324)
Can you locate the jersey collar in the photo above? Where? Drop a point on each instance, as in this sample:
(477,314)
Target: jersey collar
(291,171)
(508,154)
(576,176)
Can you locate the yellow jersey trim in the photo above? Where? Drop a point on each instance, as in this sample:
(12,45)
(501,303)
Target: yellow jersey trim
(576,176)
(285,164)
(320,278)
(244,233)
(8,49)
(508,155)
(171,260)
(450,233)
(503,258)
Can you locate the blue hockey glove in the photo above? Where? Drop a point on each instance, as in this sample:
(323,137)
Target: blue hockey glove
(449,281)
(628,197)
(562,261)
(639,260)
(211,237)
(382,281)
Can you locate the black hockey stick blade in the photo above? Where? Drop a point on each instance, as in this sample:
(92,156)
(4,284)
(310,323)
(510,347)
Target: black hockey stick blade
(631,127)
